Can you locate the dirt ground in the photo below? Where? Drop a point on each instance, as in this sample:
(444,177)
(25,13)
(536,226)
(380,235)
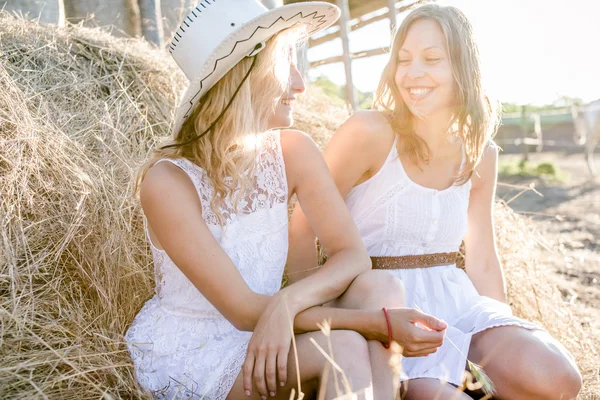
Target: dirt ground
(567,215)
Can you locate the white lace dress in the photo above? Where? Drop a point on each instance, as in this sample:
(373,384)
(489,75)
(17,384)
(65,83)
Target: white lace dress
(181,346)
(397,217)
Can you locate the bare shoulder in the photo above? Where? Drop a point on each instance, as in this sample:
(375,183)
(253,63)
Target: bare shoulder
(366,127)
(361,145)
(487,170)
(301,155)
(299,150)
(165,182)
(296,144)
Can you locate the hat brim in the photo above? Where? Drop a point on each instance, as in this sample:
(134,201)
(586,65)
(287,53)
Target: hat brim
(316,16)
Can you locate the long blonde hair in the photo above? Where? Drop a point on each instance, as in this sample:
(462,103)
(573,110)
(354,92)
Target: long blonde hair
(225,152)
(476,115)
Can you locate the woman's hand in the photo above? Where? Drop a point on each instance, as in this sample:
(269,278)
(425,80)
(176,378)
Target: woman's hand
(419,334)
(269,347)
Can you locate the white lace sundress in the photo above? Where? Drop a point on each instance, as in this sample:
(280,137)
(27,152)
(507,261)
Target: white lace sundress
(181,346)
(397,217)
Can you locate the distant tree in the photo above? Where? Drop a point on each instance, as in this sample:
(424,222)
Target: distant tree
(510,108)
(338,92)
(332,90)
(133,20)
(560,103)
(567,101)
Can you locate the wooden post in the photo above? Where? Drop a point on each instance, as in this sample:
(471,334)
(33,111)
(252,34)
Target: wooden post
(344,19)
(537,122)
(357,24)
(524,132)
(61,13)
(392,14)
(152,22)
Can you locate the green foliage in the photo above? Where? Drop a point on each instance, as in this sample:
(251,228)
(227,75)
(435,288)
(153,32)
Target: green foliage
(337,93)
(545,170)
(560,102)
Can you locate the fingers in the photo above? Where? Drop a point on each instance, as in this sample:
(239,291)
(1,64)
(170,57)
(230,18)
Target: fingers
(423,342)
(429,321)
(420,335)
(410,354)
(247,370)
(263,368)
(271,372)
(282,360)
(259,373)
(419,351)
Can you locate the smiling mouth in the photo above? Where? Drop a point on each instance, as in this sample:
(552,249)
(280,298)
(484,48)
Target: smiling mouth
(287,102)
(417,93)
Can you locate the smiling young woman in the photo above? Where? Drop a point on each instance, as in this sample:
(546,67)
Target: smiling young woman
(215,198)
(418,175)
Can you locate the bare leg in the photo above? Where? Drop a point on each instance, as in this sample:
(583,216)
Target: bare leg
(373,290)
(526,364)
(350,352)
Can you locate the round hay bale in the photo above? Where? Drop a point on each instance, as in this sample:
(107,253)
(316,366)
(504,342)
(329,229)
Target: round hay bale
(79,112)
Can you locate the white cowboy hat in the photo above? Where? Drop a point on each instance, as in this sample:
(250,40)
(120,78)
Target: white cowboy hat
(218,34)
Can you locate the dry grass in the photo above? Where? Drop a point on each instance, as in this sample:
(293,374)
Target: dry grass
(79,111)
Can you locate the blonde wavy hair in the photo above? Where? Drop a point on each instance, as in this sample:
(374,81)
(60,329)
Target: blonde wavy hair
(475,117)
(225,152)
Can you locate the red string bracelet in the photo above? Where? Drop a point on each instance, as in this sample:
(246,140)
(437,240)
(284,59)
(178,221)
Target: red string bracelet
(389,327)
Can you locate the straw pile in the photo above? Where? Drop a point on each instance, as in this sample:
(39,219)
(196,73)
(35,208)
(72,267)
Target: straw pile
(79,111)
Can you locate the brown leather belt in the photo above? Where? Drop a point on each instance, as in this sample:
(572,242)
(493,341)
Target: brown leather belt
(418,261)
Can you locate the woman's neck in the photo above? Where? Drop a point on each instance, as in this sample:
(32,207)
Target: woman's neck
(434,130)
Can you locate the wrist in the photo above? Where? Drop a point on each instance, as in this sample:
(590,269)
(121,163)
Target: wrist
(377,327)
(292,302)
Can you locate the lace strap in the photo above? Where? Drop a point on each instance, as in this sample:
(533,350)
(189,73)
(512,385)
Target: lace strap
(281,164)
(203,188)
(271,162)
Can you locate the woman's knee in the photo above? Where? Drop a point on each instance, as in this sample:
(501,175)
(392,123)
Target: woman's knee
(548,372)
(377,288)
(558,379)
(351,354)
(349,348)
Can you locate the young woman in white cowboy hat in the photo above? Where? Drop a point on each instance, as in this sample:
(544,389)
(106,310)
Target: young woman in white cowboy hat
(215,199)
(418,174)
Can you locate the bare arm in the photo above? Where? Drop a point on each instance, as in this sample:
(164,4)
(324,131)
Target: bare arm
(482,263)
(174,213)
(327,216)
(350,155)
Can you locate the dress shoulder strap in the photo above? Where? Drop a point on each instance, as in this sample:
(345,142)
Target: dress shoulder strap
(271,179)
(202,184)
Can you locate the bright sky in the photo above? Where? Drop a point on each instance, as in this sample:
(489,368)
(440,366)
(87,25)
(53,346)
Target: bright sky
(532,51)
